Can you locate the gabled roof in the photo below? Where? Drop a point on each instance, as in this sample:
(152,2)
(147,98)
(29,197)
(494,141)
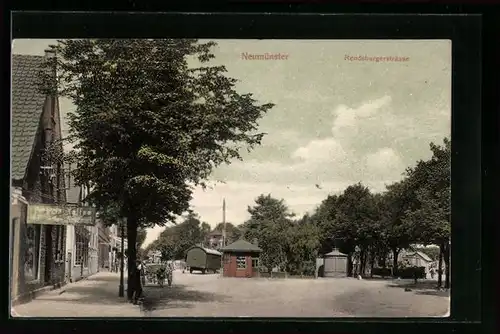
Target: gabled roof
(27,107)
(207,250)
(241,246)
(420,254)
(424,256)
(334,253)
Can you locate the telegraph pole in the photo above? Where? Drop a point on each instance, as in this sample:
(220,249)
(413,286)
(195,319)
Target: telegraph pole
(121,288)
(224,222)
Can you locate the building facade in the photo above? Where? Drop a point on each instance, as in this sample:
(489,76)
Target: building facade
(37,252)
(241,259)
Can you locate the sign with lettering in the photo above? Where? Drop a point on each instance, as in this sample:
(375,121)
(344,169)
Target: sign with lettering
(60,215)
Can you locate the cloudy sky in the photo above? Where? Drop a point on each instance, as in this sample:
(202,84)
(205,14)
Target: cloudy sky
(336,122)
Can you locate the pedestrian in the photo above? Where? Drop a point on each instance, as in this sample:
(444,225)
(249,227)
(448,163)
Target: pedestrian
(432,273)
(137,294)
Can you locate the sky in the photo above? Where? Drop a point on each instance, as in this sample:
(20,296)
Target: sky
(340,117)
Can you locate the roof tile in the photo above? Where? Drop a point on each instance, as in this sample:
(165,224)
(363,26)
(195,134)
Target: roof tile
(27,106)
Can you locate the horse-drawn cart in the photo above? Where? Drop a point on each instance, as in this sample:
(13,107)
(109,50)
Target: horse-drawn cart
(155,273)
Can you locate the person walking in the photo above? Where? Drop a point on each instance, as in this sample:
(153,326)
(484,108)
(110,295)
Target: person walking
(137,273)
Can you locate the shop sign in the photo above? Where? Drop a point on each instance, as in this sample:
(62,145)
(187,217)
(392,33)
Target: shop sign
(44,214)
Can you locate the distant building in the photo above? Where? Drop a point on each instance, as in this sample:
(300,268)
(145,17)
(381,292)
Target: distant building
(82,242)
(241,259)
(215,239)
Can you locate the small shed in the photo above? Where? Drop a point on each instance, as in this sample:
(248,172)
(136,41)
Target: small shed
(335,264)
(203,259)
(241,259)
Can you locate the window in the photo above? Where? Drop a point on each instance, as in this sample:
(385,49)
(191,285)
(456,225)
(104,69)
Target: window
(255,263)
(82,237)
(241,262)
(227,258)
(32,254)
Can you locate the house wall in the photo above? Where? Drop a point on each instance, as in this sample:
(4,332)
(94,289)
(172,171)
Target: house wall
(37,189)
(76,272)
(231,267)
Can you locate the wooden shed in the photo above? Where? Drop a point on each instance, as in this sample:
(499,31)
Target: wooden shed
(335,264)
(203,259)
(241,259)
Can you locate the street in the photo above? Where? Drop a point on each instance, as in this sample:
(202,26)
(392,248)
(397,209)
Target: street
(196,295)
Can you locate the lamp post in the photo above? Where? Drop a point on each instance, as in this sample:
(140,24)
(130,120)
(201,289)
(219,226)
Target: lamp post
(121,287)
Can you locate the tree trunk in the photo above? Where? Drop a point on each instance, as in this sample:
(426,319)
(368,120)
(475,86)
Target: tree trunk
(395,254)
(383,259)
(362,262)
(440,266)
(446,258)
(349,265)
(131,254)
(372,263)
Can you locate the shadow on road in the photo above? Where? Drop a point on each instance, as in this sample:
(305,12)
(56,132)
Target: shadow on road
(87,295)
(428,288)
(176,296)
(438,293)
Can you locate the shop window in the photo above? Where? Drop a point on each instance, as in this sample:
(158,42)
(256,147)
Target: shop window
(241,262)
(32,254)
(82,237)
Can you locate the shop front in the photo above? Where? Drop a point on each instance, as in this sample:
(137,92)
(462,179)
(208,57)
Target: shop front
(37,250)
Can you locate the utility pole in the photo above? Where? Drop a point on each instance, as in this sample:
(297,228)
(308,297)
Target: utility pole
(121,288)
(224,222)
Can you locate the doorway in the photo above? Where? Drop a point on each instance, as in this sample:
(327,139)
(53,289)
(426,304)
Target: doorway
(48,254)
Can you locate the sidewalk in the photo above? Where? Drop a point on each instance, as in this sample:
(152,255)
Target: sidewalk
(96,296)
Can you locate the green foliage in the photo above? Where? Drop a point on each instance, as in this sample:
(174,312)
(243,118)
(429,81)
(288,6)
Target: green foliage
(174,241)
(233,232)
(147,126)
(432,252)
(269,222)
(429,180)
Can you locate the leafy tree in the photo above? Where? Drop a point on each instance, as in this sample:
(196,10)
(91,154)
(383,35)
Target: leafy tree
(302,245)
(397,200)
(147,126)
(269,221)
(141,237)
(356,222)
(233,233)
(324,218)
(430,220)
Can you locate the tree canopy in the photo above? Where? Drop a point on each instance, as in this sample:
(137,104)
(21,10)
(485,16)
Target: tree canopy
(147,126)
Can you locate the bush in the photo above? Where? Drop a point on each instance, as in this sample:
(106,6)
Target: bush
(384,272)
(411,272)
(408,272)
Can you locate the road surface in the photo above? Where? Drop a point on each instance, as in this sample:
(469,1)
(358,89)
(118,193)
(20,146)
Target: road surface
(197,295)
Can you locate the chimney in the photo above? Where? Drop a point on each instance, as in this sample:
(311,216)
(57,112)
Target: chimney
(50,52)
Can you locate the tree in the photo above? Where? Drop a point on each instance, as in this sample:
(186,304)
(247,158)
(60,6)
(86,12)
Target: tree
(324,218)
(141,237)
(301,247)
(147,126)
(430,219)
(269,221)
(233,233)
(356,223)
(397,200)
